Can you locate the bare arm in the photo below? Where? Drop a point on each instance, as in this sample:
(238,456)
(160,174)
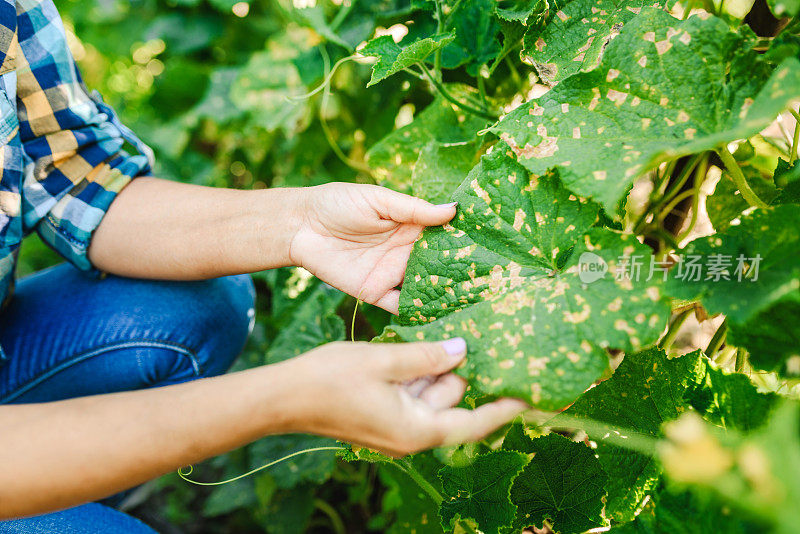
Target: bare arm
(61,454)
(355,237)
(168,230)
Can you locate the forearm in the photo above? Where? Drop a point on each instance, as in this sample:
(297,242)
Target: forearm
(60,454)
(167,230)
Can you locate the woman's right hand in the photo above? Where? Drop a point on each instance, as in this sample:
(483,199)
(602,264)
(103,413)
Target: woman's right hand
(366,393)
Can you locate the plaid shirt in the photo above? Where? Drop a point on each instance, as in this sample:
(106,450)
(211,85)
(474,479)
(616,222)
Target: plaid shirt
(62,161)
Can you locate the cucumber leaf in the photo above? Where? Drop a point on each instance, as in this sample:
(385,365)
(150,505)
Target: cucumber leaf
(562,484)
(664,88)
(758,282)
(509,275)
(571,35)
(392,58)
(646,389)
(480,491)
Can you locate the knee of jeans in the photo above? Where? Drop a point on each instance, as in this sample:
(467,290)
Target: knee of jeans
(223,322)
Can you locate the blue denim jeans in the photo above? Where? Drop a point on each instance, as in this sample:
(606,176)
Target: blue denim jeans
(66,335)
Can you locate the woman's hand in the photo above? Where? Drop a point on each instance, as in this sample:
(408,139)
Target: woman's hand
(370,394)
(358,237)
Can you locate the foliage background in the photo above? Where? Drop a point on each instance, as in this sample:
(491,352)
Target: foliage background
(213,87)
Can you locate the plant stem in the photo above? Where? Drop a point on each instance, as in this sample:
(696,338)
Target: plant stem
(482,90)
(674,203)
(446,94)
(717,339)
(336,521)
(437,56)
(655,205)
(699,179)
(683,177)
(674,328)
(796,138)
(512,69)
(409,469)
(738,178)
(741,359)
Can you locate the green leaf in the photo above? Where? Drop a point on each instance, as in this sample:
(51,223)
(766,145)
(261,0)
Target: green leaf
(784,8)
(228,498)
(688,512)
(354,453)
(217,104)
(726,204)
(787,177)
(289,511)
(562,484)
(312,467)
(571,35)
(262,89)
(480,491)
(394,157)
(441,168)
(414,510)
(514,22)
(664,88)
(506,274)
(756,473)
(760,310)
(646,389)
(731,401)
(392,58)
(309,322)
(476,32)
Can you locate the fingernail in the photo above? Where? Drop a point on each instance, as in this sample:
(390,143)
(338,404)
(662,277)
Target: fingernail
(448,205)
(455,347)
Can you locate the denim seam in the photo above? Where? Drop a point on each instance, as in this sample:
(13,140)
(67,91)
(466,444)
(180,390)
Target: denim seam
(139,343)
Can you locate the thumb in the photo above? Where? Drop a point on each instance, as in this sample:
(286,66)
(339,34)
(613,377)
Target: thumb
(406,361)
(407,209)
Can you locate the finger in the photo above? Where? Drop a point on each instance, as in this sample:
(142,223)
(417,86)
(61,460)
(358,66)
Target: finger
(407,209)
(390,301)
(445,392)
(416,386)
(461,426)
(406,361)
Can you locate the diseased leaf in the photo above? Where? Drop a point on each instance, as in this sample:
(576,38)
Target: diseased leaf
(394,156)
(570,35)
(441,168)
(646,389)
(562,484)
(392,58)
(509,274)
(762,309)
(480,491)
(664,88)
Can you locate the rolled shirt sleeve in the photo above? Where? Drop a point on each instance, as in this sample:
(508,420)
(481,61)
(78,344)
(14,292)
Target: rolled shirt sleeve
(74,160)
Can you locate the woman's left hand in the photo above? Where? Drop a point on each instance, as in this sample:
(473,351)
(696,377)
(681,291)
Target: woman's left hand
(358,237)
